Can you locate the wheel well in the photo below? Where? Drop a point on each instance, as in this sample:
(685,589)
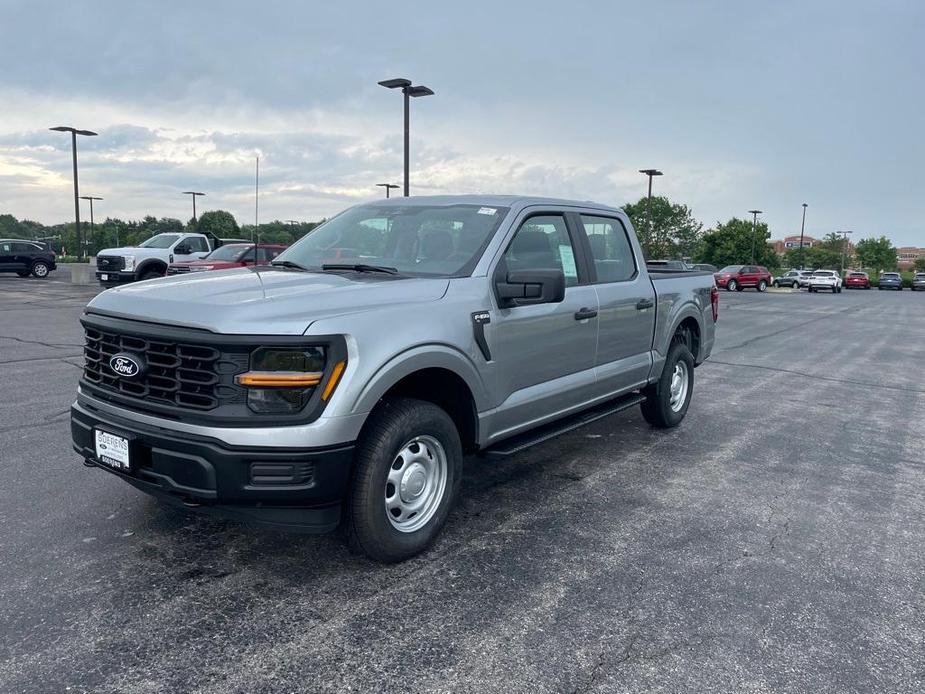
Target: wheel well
(159,265)
(448,391)
(688,333)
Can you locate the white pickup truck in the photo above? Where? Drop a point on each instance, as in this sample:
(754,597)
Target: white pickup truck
(150,259)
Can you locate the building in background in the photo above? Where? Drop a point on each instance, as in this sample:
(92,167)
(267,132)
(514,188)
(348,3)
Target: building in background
(907,255)
(781,247)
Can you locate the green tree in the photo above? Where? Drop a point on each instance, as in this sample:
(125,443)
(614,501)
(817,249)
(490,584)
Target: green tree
(218,222)
(919,265)
(876,253)
(730,243)
(674,233)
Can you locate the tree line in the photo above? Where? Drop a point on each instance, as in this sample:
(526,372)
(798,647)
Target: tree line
(666,230)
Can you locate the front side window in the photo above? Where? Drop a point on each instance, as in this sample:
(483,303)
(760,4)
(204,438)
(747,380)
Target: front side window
(266,254)
(229,253)
(610,248)
(416,240)
(197,244)
(543,243)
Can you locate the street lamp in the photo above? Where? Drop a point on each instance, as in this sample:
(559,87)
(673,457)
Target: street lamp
(74,133)
(407,91)
(388,187)
(91,199)
(802,229)
(754,230)
(650,173)
(194,194)
(844,243)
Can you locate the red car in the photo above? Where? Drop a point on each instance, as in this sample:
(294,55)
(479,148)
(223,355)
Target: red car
(229,256)
(738,277)
(857,280)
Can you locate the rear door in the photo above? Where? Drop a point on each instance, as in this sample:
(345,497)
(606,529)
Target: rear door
(543,354)
(23,255)
(6,255)
(626,318)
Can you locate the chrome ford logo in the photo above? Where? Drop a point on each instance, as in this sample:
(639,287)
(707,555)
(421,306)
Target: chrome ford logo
(126,365)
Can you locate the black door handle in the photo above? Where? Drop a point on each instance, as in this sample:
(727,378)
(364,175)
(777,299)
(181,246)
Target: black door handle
(585,313)
(643,304)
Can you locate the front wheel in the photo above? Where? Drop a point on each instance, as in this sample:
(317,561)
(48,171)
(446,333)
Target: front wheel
(762,285)
(407,473)
(40,269)
(667,400)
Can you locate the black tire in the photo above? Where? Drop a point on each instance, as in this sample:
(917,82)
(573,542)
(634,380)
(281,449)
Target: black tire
(656,409)
(762,285)
(740,288)
(150,275)
(40,269)
(776,284)
(23,273)
(732,286)
(811,290)
(392,424)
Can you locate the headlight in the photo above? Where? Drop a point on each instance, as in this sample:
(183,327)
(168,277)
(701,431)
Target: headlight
(282,380)
(129,262)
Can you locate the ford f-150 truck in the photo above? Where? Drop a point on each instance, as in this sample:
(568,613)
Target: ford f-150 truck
(151,258)
(344,383)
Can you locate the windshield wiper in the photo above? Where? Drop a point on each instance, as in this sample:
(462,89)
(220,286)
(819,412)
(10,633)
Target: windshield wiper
(360,268)
(289,263)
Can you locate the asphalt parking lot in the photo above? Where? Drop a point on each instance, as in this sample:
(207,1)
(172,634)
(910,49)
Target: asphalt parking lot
(773,542)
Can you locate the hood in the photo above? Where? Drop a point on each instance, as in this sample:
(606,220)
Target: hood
(267,301)
(125,250)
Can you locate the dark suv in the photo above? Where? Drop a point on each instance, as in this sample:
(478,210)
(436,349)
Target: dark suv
(26,258)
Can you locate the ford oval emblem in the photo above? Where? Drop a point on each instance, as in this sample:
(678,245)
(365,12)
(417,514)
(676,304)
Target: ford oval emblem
(126,365)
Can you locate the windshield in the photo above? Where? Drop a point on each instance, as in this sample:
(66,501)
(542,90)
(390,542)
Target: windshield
(229,253)
(416,240)
(160,241)
(732,268)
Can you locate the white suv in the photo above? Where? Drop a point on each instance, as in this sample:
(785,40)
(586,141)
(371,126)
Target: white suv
(825,279)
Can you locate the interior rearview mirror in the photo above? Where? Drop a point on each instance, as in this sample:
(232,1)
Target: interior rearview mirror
(525,287)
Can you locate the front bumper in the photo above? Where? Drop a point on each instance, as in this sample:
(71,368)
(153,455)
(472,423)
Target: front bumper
(297,489)
(114,277)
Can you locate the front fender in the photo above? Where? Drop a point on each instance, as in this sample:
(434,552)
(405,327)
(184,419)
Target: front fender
(417,358)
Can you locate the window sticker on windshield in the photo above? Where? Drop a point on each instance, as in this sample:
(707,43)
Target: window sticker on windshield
(487,210)
(568,261)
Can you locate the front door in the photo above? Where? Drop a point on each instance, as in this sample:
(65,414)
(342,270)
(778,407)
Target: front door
(543,354)
(6,256)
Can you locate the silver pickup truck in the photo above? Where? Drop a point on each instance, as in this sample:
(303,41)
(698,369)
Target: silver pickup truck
(345,383)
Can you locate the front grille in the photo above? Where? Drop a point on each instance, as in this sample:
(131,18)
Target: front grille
(189,376)
(110,262)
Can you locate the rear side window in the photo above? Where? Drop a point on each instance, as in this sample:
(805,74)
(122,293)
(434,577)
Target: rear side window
(25,248)
(542,242)
(610,248)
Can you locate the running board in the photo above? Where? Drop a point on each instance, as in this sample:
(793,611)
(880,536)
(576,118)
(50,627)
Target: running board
(521,442)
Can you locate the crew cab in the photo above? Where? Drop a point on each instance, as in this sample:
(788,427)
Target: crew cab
(738,277)
(230,255)
(151,258)
(344,383)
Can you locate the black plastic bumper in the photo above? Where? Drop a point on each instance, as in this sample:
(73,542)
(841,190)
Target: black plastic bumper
(115,278)
(292,489)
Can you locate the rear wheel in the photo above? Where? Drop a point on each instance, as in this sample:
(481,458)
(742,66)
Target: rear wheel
(407,473)
(776,284)
(667,400)
(40,269)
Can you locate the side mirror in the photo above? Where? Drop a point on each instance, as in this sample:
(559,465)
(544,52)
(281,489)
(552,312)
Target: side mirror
(526,287)
(181,249)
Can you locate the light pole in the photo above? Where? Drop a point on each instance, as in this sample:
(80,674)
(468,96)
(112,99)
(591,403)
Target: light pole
(754,230)
(74,133)
(193,194)
(650,173)
(802,229)
(91,199)
(407,91)
(844,243)
(388,187)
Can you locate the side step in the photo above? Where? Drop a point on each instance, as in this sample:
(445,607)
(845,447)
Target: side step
(523,441)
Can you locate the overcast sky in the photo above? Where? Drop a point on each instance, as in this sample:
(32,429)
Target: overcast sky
(742,105)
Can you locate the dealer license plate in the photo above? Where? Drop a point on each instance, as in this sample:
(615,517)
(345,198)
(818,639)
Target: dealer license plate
(112,450)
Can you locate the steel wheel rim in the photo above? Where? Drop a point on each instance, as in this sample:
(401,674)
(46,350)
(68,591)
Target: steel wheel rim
(41,270)
(678,387)
(415,484)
